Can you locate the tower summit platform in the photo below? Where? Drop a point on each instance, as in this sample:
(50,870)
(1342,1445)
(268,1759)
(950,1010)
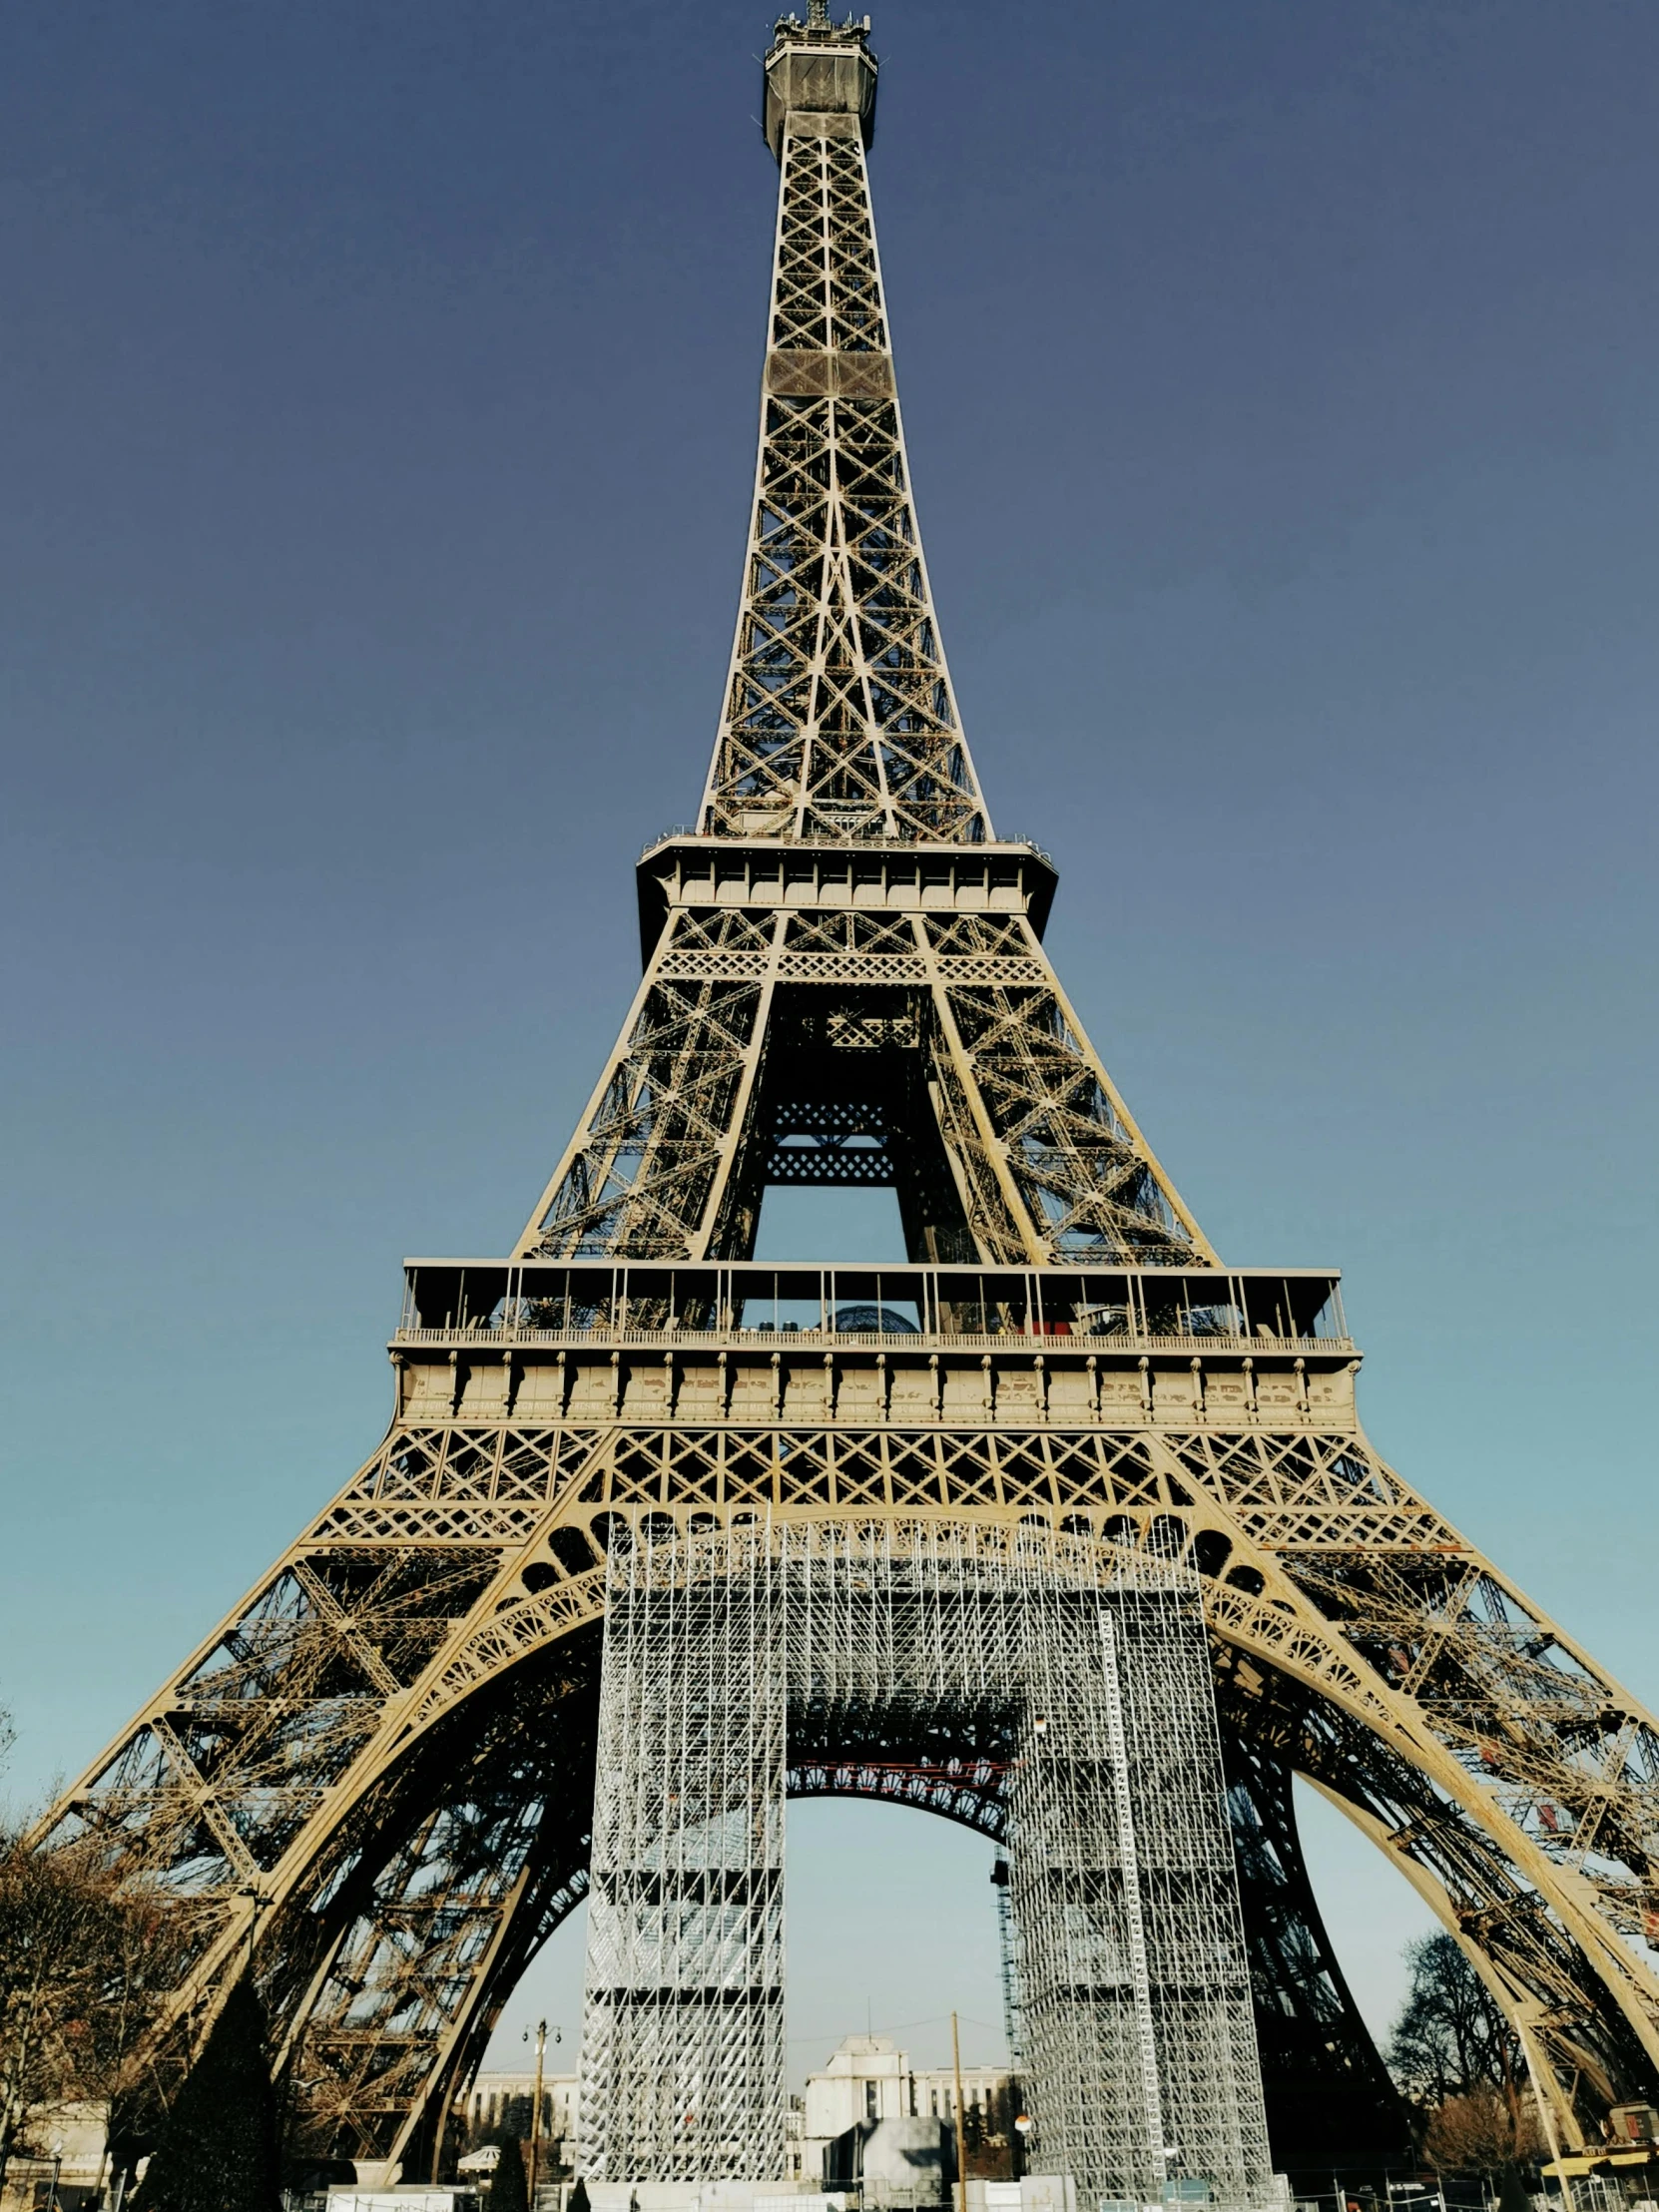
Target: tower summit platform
(819,70)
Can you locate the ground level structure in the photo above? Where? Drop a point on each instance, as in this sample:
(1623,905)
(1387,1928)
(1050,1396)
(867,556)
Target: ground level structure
(1079,1672)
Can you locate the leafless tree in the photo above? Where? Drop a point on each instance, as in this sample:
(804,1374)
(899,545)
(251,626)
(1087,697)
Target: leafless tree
(1461,2062)
(1484,2132)
(81,1969)
(1450,2038)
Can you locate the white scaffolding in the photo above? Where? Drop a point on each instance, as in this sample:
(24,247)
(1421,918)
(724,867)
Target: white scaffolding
(1139,2036)
(1080,1669)
(682,2075)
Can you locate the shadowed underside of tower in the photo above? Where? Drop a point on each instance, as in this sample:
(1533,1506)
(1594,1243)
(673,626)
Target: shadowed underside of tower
(377,1771)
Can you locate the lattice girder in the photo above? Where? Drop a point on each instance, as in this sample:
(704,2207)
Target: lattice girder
(1330,2099)
(840,722)
(1010,1098)
(1444,1709)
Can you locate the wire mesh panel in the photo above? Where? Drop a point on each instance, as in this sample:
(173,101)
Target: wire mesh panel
(1075,1891)
(1075,1675)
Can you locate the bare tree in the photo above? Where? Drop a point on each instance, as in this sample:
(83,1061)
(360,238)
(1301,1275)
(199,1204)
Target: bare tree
(1450,2038)
(1482,2132)
(1461,2062)
(81,1965)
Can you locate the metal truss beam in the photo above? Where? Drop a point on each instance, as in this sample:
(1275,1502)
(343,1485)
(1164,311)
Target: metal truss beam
(948,1041)
(471,1556)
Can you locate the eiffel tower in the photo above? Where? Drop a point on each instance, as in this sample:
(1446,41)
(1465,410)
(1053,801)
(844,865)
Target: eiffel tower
(375,1777)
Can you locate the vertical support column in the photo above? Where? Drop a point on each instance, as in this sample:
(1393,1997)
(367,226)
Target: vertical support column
(1213,2113)
(1137,2025)
(1134,1916)
(682,2072)
(1093,2092)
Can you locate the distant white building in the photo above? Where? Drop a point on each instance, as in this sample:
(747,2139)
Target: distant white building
(870,2078)
(63,2147)
(494,2097)
(794,2123)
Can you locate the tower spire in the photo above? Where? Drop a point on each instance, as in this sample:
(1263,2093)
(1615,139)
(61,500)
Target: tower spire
(840,722)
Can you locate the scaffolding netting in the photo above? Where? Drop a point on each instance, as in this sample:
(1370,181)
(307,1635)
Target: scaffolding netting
(1074,1669)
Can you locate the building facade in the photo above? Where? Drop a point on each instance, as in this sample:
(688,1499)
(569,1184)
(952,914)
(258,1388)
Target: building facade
(869,2077)
(503,2103)
(61,2157)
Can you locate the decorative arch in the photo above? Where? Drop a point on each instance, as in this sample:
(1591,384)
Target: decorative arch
(357,1675)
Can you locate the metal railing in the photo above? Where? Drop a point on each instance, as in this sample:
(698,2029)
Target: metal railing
(850,844)
(1046,1342)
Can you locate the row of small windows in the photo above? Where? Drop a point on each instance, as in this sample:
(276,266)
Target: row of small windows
(937,2109)
(510,2111)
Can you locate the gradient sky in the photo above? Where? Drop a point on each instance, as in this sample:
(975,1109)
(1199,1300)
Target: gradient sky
(377,395)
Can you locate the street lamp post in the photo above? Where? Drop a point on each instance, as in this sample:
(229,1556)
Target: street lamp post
(535,2109)
(961,2118)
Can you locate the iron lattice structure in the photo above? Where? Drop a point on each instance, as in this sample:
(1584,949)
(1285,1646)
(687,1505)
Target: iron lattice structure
(1079,1673)
(840,722)
(377,1771)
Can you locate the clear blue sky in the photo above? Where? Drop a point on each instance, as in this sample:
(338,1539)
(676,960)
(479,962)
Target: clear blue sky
(376,405)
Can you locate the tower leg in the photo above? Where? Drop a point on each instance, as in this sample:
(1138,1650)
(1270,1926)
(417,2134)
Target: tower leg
(1331,2100)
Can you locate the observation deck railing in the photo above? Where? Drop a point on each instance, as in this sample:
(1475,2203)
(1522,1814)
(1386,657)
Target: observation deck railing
(640,1305)
(680,831)
(856,1339)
